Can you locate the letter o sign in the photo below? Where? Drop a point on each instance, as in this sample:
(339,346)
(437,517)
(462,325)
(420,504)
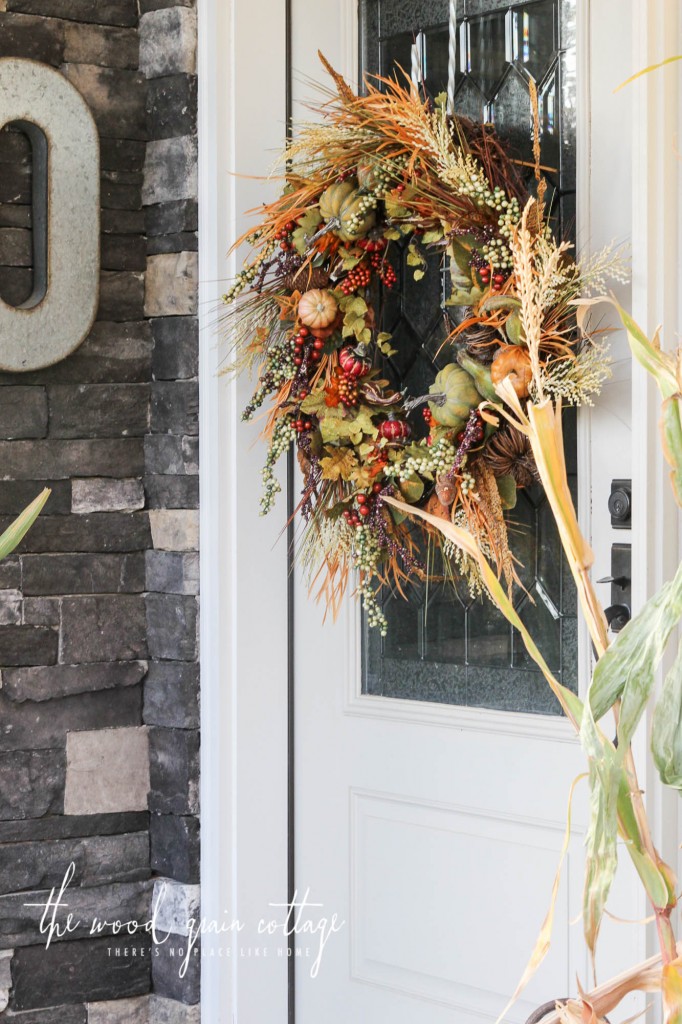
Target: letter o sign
(55,319)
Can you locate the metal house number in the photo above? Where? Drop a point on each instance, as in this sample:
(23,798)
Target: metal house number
(58,314)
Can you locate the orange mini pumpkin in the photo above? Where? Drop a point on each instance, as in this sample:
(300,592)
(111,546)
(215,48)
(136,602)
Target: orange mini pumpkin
(513,362)
(317,308)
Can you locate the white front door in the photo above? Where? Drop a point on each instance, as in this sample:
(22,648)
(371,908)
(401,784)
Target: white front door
(431,783)
(429,796)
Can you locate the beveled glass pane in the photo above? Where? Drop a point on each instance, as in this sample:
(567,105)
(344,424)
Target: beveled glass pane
(543,621)
(512,113)
(396,54)
(405,618)
(510,690)
(436,60)
(488,636)
(535,36)
(486,58)
(408,15)
(445,626)
(444,645)
(421,299)
(470,101)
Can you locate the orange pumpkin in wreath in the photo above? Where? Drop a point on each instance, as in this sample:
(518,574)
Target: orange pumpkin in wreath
(514,362)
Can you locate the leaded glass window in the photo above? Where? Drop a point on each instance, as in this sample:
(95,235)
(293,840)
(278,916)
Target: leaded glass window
(443,645)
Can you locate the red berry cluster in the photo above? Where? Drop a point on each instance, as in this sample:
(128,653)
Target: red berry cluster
(388,275)
(358,277)
(475,434)
(283,235)
(303,347)
(354,516)
(348,390)
(351,517)
(372,244)
(498,278)
(430,422)
(300,339)
(303,425)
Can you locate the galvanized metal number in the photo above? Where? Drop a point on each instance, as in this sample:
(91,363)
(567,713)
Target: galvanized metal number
(57,316)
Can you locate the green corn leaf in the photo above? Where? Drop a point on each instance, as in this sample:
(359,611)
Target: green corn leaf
(666,731)
(627,816)
(671,434)
(16,530)
(648,354)
(663,367)
(626,673)
(651,877)
(627,669)
(601,856)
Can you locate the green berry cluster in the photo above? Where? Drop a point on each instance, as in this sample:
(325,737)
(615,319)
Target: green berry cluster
(282,436)
(247,274)
(364,204)
(279,369)
(367,554)
(496,252)
(468,484)
(439,458)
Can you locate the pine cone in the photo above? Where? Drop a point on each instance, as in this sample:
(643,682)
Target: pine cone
(305,278)
(508,453)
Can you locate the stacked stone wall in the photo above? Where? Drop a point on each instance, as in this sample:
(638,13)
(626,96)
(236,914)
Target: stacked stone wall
(99,711)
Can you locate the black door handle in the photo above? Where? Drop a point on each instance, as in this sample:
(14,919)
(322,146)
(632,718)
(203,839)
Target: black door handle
(617,616)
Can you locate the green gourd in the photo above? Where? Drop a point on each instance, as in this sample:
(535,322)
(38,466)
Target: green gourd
(354,220)
(513,327)
(460,393)
(333,197)
(480,375)
(369,174)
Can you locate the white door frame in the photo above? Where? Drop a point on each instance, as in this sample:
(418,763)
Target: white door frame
(657,299)
(243,568)
(243,708)
(242,83)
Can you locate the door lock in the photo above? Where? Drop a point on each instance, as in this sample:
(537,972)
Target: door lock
(620,504)
(618,613)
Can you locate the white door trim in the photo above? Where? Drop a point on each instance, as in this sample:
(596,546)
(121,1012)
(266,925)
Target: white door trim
(243,567)
(242,86)
(656,300)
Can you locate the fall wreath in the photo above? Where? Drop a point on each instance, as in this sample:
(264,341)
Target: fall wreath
(382,171)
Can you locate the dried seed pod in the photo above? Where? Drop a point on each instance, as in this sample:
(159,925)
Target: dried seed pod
(481,341)
(436,507)
(508,453)
(304,278)
(446,490)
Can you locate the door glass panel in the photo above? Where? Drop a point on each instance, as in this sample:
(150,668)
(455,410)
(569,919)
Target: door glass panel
(442,645)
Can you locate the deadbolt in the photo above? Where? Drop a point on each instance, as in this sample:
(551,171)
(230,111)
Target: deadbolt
(620,504)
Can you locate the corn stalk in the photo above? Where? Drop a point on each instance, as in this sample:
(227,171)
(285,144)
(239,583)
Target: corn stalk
(622,682)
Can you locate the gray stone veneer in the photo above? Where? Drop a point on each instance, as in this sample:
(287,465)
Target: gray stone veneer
(99,710)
